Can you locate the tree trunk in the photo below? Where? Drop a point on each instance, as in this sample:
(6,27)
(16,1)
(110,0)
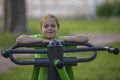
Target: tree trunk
(14,16)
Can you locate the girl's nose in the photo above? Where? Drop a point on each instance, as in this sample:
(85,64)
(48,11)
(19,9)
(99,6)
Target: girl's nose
(49,27)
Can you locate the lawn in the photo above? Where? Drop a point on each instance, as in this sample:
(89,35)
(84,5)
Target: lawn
(81,26)
(104,67)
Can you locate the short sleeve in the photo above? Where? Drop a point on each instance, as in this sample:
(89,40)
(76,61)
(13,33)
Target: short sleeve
(37,36)
(61,37)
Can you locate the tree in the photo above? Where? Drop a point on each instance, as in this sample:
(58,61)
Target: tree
(14,16)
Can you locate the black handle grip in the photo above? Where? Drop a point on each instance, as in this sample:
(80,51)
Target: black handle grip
(5,53)
(113,50)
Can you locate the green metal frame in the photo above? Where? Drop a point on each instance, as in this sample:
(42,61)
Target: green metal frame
(61,71)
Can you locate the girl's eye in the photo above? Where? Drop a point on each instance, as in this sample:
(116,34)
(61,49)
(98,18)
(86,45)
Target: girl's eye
(49,25)
(52,25)
(45,26)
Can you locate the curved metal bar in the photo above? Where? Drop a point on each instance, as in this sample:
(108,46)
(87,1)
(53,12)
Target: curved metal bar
(13,51)
(9,53)
(90,58)
(81,50)
(20,62)
(39,62)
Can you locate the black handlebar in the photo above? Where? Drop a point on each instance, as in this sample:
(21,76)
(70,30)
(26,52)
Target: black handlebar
(43,62)
(113,50)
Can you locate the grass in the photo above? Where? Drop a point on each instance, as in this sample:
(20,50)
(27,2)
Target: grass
(6,40)
(17,73)
(104,67)
(81,26)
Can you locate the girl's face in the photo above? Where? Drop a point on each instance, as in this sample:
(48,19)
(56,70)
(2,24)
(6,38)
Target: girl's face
(49,28)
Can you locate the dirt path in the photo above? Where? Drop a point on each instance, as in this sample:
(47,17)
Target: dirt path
(101,39)
(96,39)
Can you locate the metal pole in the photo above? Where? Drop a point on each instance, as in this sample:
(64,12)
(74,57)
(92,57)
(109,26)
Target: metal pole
(55,51)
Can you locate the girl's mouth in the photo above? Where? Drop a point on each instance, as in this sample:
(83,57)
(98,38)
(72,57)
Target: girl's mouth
(49,32)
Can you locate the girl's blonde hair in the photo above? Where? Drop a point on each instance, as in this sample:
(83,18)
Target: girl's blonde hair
(49,16)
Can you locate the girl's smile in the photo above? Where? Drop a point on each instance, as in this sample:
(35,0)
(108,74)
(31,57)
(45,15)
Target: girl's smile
(49,28)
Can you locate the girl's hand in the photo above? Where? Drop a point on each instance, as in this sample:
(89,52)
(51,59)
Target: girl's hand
(45,41)
(62,40)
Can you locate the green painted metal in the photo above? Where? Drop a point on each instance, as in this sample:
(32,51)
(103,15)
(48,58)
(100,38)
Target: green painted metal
(61,71)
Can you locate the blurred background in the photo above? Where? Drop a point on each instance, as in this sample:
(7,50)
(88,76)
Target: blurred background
(15,14)
(98,19)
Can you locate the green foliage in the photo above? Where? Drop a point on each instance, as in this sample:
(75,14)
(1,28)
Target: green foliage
(105,10)
(117,9)
(108,10)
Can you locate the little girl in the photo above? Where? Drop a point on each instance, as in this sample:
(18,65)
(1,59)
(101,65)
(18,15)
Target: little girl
(49,27)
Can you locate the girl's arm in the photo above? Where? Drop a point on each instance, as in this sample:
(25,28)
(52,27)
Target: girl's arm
(27,39)
(76,38)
